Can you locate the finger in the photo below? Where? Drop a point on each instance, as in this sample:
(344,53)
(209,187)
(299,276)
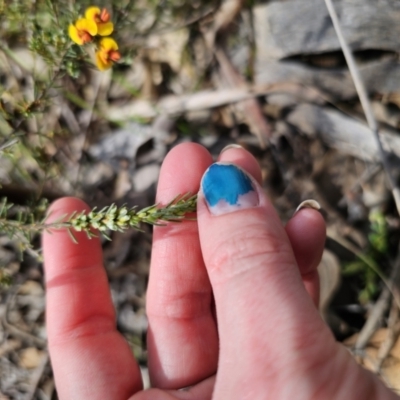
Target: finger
(182,338)
(238,155)
(201,391)
(306,230)
(90,358)
(265,316)
(307,233)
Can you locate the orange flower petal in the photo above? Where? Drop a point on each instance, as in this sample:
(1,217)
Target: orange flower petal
(105,28)
(114,55)
(74,35)
(104,15)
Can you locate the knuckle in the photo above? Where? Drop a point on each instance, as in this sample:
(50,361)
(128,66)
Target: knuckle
(189,306)
(247,250)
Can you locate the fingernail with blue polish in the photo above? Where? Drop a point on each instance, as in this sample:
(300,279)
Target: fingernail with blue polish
(227,188)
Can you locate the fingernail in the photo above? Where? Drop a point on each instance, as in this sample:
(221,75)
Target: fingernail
(310,203)
(228,188)
(231,146)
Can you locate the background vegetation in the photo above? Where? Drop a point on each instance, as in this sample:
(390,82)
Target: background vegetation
(207,72)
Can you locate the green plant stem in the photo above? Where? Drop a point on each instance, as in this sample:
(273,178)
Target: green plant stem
(371,264)
(120,218)
(110,218)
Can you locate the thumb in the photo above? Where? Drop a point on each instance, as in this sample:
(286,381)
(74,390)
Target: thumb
(266,320)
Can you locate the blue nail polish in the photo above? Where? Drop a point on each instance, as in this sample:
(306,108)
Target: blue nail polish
(227,188)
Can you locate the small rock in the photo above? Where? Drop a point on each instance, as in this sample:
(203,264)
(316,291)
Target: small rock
(32,288)
(131,321)
(30,358)
(145,177)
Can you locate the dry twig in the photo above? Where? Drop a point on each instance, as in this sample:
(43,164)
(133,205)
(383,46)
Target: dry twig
(37,376)
(380,307)
(18,333)
(392,335)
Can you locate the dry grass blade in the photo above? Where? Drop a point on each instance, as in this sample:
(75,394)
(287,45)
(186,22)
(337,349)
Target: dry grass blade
(173,105)
(366,105)
(229,77)
(250,108)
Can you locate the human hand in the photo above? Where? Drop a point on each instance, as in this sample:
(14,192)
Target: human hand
(231,301)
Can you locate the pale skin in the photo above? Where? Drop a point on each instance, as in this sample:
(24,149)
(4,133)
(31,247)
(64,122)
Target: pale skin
(231,305)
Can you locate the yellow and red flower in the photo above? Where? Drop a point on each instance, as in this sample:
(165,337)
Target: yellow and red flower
(82,31)
(101,18)
(107,54)
(96,22)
